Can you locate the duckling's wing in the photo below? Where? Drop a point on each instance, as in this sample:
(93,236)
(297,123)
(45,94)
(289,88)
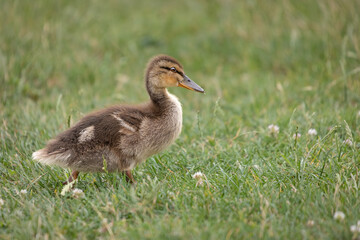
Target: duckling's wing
(129,122)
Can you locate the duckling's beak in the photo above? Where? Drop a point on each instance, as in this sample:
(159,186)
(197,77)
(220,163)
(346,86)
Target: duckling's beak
(190,84)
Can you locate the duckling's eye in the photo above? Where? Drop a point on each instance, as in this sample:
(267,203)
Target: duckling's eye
(173,69)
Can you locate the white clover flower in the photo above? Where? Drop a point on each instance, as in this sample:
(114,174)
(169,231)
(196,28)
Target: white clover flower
(296,136)
(355,228)
(2,202)
(199,177)
(312,132)
(310,223)
(348,142)
(23,191)
(338,215)
(358,114)
(78,193)
(273,129)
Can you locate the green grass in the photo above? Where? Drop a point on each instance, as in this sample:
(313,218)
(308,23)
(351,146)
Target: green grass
(290,63)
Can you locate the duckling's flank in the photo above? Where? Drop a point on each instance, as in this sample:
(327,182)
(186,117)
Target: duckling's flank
(124,135)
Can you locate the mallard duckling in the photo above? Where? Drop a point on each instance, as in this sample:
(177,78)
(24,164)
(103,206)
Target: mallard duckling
(123,136)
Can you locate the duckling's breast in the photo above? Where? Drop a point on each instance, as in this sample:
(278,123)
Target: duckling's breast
(159,133)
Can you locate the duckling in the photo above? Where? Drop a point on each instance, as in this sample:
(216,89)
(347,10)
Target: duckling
(122,136)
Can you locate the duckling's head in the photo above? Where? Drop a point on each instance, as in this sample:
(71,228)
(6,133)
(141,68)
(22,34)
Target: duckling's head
(164,71)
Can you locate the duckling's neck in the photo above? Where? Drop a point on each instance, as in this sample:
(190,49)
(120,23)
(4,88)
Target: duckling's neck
(158,96)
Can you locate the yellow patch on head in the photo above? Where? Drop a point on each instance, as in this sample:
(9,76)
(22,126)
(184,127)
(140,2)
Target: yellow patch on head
(170,81)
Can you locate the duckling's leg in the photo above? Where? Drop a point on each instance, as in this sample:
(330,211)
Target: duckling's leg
(129,177)
(72,177)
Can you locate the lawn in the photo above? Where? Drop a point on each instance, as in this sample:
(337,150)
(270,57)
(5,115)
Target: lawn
(293,64)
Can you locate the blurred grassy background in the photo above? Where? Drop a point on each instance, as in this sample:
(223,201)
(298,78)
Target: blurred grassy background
(293,63)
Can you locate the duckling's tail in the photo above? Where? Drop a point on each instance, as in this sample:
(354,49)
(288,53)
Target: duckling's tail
(57,158)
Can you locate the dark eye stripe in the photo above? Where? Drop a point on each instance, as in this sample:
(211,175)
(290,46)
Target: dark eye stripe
(169,69)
